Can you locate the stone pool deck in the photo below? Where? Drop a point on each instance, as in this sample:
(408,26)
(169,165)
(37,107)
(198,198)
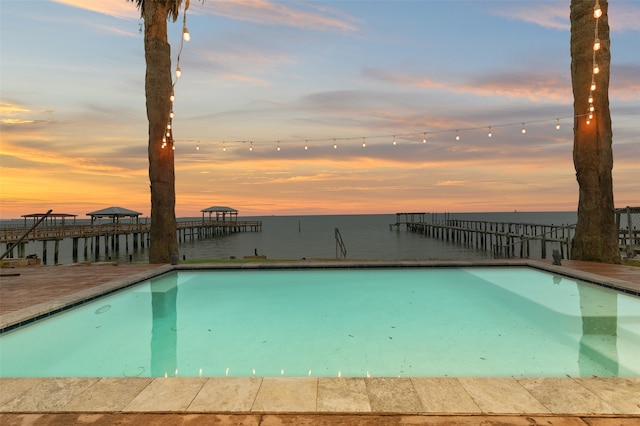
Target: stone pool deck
(296,401)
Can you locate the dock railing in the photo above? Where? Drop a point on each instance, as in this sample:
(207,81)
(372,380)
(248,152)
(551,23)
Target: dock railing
(503,239)
(341,249)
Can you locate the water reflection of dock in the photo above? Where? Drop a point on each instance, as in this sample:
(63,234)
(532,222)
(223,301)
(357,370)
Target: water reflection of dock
(107,237)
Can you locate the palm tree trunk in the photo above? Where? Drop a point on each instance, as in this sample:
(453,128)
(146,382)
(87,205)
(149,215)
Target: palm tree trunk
(158,86)
(596,237)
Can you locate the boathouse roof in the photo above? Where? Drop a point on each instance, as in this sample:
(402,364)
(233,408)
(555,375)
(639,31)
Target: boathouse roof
(221,209)
(114,213)
(52,215)
(221,213)
(51,218)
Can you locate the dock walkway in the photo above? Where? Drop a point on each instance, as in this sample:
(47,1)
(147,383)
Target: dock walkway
(110,234)
(513,239)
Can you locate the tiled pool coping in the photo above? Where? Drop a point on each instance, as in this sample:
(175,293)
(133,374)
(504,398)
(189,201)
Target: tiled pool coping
(470,396)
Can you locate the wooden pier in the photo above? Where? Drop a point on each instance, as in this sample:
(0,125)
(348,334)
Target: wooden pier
(512,239)
(106,237)
(503,239)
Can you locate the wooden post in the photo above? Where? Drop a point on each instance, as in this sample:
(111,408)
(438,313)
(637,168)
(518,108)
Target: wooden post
(56,249)
(44,252)
(74,249)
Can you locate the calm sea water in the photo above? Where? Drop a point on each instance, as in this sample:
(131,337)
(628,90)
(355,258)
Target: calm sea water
(313,237)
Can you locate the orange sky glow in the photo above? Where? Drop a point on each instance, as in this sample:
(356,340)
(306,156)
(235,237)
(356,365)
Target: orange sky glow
(271,74)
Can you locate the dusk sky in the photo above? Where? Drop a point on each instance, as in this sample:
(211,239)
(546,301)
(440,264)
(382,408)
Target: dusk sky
(265,74)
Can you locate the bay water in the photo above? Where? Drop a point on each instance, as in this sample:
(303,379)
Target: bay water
(366,237)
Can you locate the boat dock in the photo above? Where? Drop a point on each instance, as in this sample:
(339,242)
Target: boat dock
(512,239)
(107,237)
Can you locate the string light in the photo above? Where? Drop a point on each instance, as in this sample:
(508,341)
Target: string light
(523,129)
(224,147)
(278,146)
(394,140)
(417,136)
(185,37)
(597,12)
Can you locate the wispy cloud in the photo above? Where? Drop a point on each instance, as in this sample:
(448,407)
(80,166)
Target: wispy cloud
(290,14)
(549,15)
(118,9)
(535,87)
(623,16)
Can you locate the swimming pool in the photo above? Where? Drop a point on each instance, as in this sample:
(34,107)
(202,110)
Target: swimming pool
(430,322)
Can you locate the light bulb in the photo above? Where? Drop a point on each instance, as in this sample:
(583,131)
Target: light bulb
(590,99)
(178,72)
(278,148)
(590,116)
(172,97)
(173,147)
(489,134)
(364,143)
(335,145)
(394,140)
(596,69)
(424,139)
(591,108)
(171,114)
(197,147)
(558,125)
(596,44)
(588,121)
(306,147)
(457,136)
(597,12)
(593,86)
(169,126)
(185,34)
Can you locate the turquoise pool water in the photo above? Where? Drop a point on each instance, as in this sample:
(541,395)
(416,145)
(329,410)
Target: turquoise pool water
(390,322)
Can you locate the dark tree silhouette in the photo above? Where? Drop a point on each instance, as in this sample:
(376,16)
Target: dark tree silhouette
(596,237)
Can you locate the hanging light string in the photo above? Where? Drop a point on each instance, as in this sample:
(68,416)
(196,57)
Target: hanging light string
(394,139)
(595,69)
(168,137)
